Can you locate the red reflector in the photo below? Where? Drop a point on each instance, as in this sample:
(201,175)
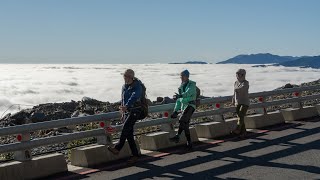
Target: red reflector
(260,99)
(110,129)
(102,124)
(19,137)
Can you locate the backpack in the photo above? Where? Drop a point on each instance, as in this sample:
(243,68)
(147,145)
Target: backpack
(198,96)
(144,102)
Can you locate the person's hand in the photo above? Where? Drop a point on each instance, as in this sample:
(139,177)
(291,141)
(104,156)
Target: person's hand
(123,108)
(233,102)
(177,96)
(174,115)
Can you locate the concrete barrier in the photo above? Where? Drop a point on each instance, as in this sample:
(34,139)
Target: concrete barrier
(318,108)
(293,114)
(216,129)
(98,154)
(232,124)
(212,129)
(38,167)
(160,140)
(263,120)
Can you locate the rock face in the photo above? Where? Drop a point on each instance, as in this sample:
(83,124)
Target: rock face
(54,111)
(287,86)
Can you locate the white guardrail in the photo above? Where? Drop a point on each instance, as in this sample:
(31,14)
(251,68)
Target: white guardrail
(104,136)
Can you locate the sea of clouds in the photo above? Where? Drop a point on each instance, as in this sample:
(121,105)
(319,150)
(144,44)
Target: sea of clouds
(29,84)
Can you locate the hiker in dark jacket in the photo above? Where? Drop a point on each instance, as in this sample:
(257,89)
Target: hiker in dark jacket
(186,103)
(131,112)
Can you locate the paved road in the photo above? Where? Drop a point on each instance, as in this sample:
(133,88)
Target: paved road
(290,151)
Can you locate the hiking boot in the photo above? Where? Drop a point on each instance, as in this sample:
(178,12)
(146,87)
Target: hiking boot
(236,132)
(175,139)
(243,135)
(189,146)
(132,160)
(113,150)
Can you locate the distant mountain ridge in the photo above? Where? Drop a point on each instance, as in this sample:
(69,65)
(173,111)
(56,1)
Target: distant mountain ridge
(312,62)
(261,58)
(267,58)
(192,62)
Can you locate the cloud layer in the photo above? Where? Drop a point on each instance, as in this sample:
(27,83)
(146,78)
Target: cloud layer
(36,84)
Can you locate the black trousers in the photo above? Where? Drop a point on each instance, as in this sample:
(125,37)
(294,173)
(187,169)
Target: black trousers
(127,132)
(184,122)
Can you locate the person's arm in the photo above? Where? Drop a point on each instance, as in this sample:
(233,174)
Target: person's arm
(177,107)
(122,96)
(234,94)
(134,96)
(233,99)
(189,94)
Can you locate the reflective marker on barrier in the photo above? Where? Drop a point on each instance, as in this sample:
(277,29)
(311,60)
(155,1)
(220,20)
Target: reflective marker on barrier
(110,130)
(296,94)
(260,99)
(166,114)
(102,124)
(218,105)
(19,137)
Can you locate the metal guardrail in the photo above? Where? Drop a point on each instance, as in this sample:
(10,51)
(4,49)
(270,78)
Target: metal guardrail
(27,128)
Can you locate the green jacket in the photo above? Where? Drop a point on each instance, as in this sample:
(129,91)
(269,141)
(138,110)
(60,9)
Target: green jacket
(189,95)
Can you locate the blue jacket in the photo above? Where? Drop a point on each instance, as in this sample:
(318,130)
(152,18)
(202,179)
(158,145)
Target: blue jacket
(131,94)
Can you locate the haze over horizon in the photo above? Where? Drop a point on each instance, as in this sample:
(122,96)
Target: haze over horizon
(142,32)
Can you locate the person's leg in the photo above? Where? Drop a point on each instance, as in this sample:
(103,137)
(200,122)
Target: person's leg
(237,130)
(181,128)
(132,144)
(185,121)
(126,131)
(184,125)
(134,117)
(242,113)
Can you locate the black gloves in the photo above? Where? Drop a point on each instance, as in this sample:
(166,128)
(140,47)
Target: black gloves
(174,115)
(177,96)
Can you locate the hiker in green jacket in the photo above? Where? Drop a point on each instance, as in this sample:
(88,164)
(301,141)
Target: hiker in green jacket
(186,103)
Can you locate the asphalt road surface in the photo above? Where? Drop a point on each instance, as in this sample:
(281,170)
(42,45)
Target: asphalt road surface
(289,151)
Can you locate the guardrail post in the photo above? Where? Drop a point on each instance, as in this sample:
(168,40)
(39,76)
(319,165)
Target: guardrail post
(24,155)
(219,117)
(262,110)
(105,139)
(167,127)
(297,104)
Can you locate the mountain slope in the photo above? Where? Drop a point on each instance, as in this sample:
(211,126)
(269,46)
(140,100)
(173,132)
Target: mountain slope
(313,62)
(262,58)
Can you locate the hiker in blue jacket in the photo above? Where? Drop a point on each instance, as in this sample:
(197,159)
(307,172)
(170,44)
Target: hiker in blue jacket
(131,109)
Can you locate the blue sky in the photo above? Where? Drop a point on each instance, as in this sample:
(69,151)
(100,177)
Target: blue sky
(150,31)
